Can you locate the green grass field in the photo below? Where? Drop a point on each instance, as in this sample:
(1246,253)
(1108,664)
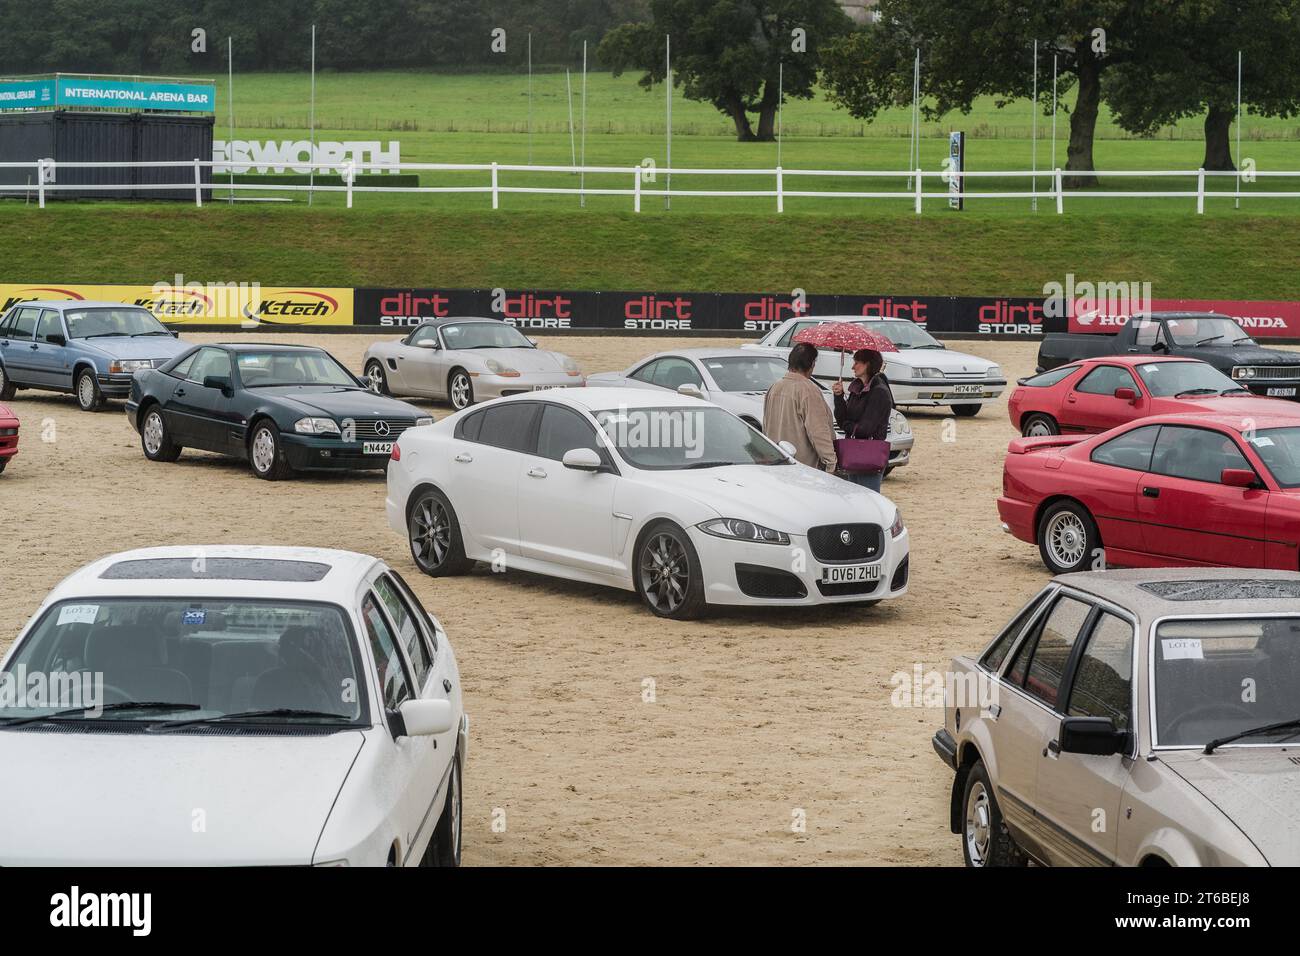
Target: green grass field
(826,245)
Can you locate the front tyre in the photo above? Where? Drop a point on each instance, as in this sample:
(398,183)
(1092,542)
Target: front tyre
(668,574)
(985,838)
(1067,537)
(89,397)
(444,847)
(265,454)
(433,531)
(155,440)
(965,411)
(7,388)
(460,390)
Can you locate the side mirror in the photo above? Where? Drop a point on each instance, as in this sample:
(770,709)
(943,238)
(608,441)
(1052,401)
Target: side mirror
(786,447)
(582,459)
(56,338)
(427,344)
(1238,478)
(694,391)
(1126,395)
(423,718)
(175,333)
(1094,736)
(533,342)
(1159,347)
(219,382)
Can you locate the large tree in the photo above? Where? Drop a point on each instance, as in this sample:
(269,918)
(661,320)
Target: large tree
(731,52)
(973,48)
(1193,69)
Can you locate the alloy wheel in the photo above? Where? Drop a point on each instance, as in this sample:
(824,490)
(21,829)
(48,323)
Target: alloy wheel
(1067,539)
(263,450)
(665,573)
(153,432)
(460,391)
(430,532)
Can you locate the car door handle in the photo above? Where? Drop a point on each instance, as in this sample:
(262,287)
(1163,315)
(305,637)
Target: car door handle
(464,457)
(34,347)
(1053,749)
(1150,492)
(180,393)
(536,472)
(1070,397)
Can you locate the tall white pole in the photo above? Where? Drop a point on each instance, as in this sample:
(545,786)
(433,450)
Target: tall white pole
(1236,204)
(668,87)
(582,183)
(1033,137)
(780,106)
(1054,59)
(573,148)
(311,122)
(914,146)
(230,98)
(530,99)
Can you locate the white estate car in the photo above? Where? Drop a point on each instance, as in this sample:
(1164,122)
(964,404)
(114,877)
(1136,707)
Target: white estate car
(922,372)
(231,706)
(737,380)
(663,494)
(466,361)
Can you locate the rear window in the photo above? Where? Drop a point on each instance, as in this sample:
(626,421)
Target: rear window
(199,568)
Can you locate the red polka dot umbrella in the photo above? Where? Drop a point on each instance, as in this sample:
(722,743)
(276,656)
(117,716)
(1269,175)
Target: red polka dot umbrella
(845,337)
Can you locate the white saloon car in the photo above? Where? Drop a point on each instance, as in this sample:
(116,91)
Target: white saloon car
(465,361)
(659,493)
(734,379)
(231,706)
(923,372)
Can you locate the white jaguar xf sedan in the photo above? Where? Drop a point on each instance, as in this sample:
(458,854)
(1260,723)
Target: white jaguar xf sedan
(660,493)
(231,706)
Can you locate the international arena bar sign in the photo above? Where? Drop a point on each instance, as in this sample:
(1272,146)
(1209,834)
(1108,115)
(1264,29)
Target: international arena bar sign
(108,93)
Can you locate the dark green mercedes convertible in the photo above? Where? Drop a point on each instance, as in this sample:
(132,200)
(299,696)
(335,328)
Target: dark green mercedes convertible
(283,408)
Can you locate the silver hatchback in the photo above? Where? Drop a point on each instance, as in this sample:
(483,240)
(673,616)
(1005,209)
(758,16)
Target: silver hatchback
(1133,718)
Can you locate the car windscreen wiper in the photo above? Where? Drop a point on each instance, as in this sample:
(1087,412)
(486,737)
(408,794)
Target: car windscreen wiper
(118,707)
(1212,338)
(1253,732)
(1197,391)
(708,464)
(250,715)
(936,345)
(102,335)
(1236,390)
(136,335)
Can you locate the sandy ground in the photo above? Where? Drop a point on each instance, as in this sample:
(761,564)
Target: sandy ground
(759,718)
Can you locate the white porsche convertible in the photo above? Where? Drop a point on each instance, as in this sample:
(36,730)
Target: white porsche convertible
(660,493)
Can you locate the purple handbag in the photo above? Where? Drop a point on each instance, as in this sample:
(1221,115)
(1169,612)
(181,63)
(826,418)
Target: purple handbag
(862,455)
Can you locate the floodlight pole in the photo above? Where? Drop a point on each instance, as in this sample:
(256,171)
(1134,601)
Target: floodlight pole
(573,148)
(1033,138)
(1054,59)
(780,103)
(914,146)
(1236,204)
(582,180)
(311,122)
(530,99)
(230,98)
(668,87)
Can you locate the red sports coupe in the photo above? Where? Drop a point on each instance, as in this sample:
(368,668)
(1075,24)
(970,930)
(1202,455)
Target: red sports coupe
(8,435)
(1168,491)
(1093,395)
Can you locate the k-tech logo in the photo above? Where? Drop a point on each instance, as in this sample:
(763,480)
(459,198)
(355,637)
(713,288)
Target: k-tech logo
(177,302)
(36,293)
(1011,317)
(300,307)
(656,312)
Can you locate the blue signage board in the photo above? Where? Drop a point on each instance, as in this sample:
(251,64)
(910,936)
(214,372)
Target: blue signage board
(26,94)
(74,91)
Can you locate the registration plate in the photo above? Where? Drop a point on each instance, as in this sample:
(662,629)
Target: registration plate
(968,389)
(543,388)
(1282,392)
(850,573)
(377,448)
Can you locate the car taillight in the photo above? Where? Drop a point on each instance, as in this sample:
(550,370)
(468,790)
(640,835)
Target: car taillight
(396,453)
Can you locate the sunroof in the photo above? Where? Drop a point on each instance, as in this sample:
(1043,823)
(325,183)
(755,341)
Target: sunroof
(199,568)
(1232,589)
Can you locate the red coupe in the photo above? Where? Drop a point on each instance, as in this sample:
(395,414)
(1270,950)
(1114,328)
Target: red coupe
(8,435)
(1168,491)
(1093,395)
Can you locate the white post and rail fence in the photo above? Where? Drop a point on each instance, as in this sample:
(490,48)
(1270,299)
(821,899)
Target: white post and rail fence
(777,188)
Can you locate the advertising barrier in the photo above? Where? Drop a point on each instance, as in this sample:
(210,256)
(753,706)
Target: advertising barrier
(252,306)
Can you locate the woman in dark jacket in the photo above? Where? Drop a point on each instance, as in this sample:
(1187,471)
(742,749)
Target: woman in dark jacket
(862,410)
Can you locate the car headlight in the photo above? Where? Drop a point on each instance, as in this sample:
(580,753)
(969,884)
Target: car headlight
(123,366)
(316,426)
(896,528)
(898,424)
(569,365)
(332,863)
(993,371)
(1243,371)
(496,368)
(740,530)
(927,373)
(424,421)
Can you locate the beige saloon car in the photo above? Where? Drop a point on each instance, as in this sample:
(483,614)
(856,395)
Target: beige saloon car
(1133,718)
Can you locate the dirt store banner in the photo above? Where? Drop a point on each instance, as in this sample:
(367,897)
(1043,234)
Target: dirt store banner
(252,306)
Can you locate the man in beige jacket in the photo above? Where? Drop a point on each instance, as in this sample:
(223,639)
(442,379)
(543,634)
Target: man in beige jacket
(795,411)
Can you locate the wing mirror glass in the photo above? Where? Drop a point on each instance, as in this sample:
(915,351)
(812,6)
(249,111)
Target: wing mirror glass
(694,391)
(786,447)
(56,338)
(1238,478)
(1126,395)
(424,718)
(219,382)
(582,459)
(1094,736)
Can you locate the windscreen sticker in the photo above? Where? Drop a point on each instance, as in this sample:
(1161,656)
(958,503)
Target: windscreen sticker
(78,614)
(1182,649)
(194,617)
(1262,441)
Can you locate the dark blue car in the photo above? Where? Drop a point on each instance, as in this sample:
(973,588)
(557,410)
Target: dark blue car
(89,349)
